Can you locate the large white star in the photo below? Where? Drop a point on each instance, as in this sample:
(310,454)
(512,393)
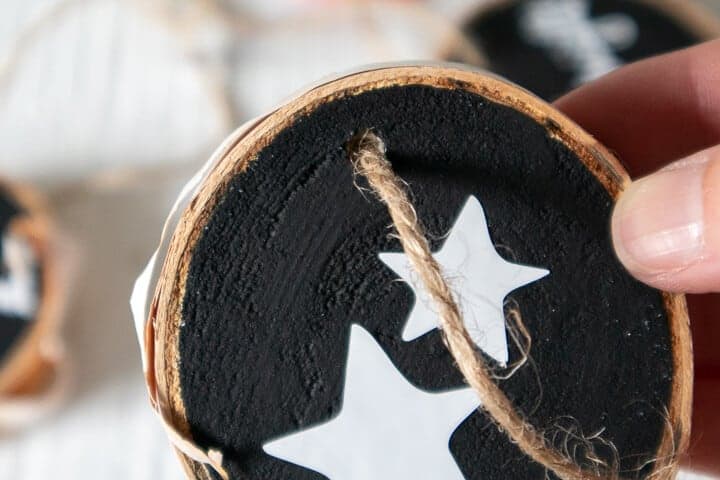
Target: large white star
(480,278)
(387,428)
(18,295)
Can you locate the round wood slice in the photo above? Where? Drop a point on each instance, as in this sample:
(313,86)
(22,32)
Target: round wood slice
(553,46)
(275,260)
(30,303)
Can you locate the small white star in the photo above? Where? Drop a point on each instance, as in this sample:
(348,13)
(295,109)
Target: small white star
(387,428)
(18,295)
(480,278)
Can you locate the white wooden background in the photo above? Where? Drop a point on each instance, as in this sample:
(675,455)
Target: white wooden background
(109,106)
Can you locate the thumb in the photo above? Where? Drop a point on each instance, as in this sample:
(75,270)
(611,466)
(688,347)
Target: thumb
(666,226)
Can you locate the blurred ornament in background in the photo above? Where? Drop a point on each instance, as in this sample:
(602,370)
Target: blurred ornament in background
(263,53)
(553,46)
(33,289)
(175,76)
(88,81)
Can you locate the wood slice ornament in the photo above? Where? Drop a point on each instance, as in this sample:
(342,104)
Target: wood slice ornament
(553,46)
(289,332)
(32,361)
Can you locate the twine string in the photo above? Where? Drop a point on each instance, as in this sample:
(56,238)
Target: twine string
(368,156)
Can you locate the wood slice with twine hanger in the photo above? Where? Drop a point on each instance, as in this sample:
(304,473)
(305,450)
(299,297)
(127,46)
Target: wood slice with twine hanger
(272,253)
(551,60)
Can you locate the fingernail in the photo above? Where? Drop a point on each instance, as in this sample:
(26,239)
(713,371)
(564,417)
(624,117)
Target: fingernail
(658,222)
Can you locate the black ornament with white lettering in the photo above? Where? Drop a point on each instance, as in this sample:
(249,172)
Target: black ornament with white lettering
(281,256)
(553,46)
(17,312)
(33,371)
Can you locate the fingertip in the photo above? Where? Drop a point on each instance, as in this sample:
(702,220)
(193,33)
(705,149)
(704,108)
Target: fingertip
(666,229)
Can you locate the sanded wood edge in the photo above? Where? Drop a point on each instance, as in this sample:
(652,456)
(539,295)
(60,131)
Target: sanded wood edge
(32,363)
(676,439)
(170,290)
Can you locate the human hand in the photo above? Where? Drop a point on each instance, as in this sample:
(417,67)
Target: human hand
(664,113)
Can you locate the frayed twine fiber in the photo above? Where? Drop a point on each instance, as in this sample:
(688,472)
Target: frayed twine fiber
(368,156)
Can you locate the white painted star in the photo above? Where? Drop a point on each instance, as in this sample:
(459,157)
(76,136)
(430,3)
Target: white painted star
(480,278)
(18,295)
(387,428)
